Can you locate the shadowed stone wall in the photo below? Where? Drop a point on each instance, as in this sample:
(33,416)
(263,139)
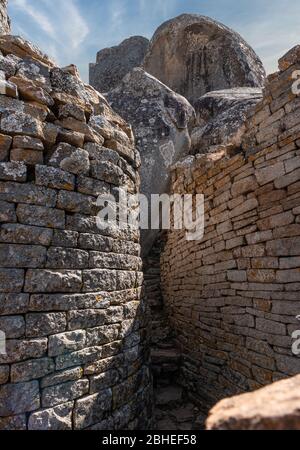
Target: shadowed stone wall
(233,297)
(70,294)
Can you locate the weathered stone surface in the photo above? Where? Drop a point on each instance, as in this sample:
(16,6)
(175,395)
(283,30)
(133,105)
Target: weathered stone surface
(114,63)
(19,398)
(66,342)
(25,234)
(32,369)
(53,281)
(27,156)
(22,256)
(58,418)
(90,410)
(71,159)
(45,324)
(204,56)
(221,117)
(29,91)
(13,171)
(54,178)
(13,304)
(275,407)
(19,47)
(7,212)
(63,258)
(61,393)
(13,326)
(143,100)
(11,280)
(5,143)
(41,216)
(4,19)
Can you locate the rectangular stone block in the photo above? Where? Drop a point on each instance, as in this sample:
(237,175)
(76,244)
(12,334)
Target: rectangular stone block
(19,398)
(88,318)
(65,238)
(270,326)
(103,381)
(62,377)
(41,216)
(85,356)
(4,374)
(11,280)
(7,212)
(5,143)
(102,335)
(54,178)
(77,203)
(39,325)
(67,302)
(270,173)
(13,171)
(95,242)
(13,326)
(92,409)
(25,234)
(28,142)
(66,342)
(27,156)
(288,276)
(261,276)
(90,186)
(20,350)
(63,393)
(108,172)
(11,304)
(27,193)
(284,247)
(39,281)
(66,258)
(99,280)
(22,256)
(32,369)
(58,418)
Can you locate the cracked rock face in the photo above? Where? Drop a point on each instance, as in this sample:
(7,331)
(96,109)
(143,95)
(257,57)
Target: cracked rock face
(4,19)
(221,117)
(275,407)
(194,54)
(161,120)
(114,63)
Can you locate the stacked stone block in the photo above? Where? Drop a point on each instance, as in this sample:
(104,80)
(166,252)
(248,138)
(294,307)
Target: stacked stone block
(70,294)
(233,297)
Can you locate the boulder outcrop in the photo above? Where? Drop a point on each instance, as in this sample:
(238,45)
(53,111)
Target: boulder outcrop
(221,117)
(275,407)
(161,120)
(114,63)
(194,54)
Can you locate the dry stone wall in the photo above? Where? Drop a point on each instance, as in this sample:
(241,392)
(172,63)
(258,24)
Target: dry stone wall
(70,294)
(233,297)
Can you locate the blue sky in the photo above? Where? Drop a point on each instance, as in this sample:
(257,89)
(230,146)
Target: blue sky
(72,31)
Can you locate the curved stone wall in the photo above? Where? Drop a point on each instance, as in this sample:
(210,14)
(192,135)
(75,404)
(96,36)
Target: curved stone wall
(73,352)
(233,297)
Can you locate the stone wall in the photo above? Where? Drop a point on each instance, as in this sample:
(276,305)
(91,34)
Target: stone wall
(70,294)
(233,297)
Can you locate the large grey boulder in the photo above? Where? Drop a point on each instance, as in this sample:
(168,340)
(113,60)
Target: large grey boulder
(4,19)
(161,120)
(114,63)
(221,117)
(194,54)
